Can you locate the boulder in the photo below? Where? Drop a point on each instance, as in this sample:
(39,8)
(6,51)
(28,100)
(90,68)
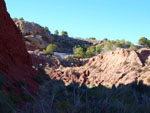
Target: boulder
(34,34)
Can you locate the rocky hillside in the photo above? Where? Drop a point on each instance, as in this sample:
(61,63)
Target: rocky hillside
(36,36)
(19,91)
(121,66)
(15,62)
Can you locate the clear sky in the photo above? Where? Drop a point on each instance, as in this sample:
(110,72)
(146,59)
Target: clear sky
(112,19)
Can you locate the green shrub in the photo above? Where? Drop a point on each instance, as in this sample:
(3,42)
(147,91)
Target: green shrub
(98,48)
(132,47)
(46,28)
(64,33)
(122,41)
(90,51)
(108,46)
(127,43)
(79,52)
(50,49)
(113,42)
(105,39)
(148,43)
(56,33)
(144,42)
(118,43)
(21,18)
(15,19)
(92,38)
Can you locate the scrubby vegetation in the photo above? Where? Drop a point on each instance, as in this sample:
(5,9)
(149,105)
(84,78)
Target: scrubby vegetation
(133,98)
(109,45)
(90,51)
(56,97)
(92,38)
(112,45)
(64,33)
(50,49)
(144,42)
(56,32)
(79,52)
(10,100)
(98,49)
(16,19)
(46,28)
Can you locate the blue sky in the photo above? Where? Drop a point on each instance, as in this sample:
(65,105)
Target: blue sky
(112,19)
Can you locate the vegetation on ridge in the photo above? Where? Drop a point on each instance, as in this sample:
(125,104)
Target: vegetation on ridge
(50,49)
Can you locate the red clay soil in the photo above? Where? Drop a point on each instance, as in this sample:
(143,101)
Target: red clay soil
(15,62)
(43,61)
(118,67)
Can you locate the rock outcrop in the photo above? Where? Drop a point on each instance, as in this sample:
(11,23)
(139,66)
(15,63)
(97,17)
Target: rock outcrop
(15,62)
(121,66)
(34,34)
(37,37)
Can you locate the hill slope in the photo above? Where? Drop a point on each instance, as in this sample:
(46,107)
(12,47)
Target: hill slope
(15,62)
(121,66)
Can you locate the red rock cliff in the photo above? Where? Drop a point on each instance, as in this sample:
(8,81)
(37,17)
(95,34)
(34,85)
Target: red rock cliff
(15,62)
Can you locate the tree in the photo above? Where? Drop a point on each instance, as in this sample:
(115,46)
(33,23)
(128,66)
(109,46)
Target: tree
(132,47)
(122,42)
(148,43)
(64,33)
(98,48)
(113,42)
(47,29)
(118,44)
(56,32)
(105,39)
(108,46)
(90,51)
(15,19)
(143,41)
(79,52)
(21,18)
(50,49)
(92,38)
(127,43)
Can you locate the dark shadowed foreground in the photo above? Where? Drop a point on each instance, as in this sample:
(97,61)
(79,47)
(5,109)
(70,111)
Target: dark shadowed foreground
(58,98)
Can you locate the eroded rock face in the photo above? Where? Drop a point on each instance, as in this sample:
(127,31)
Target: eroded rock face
(32,31)
(121,66)
(28,28)
(34,34)
(15,62)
